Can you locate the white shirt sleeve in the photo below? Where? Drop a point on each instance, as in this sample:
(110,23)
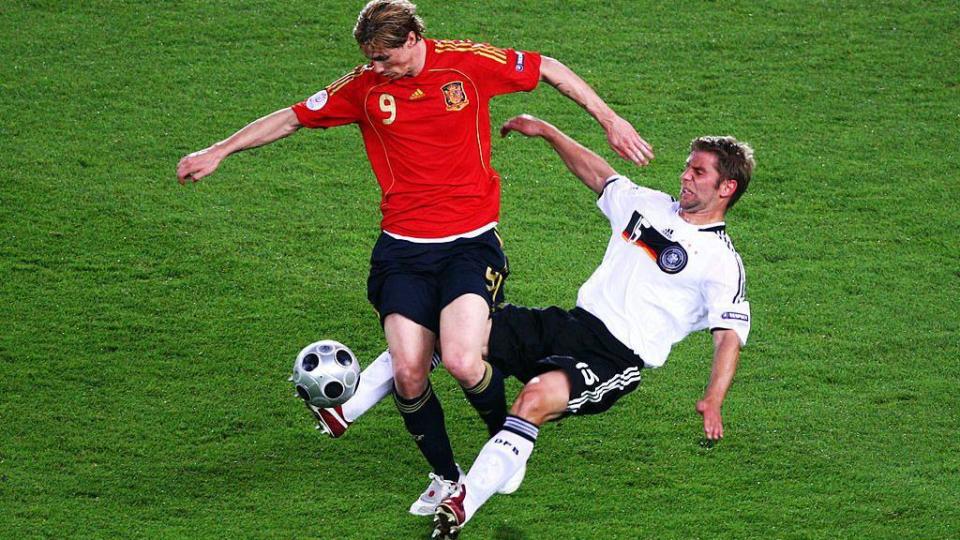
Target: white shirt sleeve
(621,197)
(725,291)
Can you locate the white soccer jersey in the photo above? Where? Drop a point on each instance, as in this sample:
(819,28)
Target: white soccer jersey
(661,277)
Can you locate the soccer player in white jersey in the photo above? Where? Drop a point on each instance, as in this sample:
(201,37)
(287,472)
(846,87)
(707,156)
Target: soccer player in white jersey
(669,270)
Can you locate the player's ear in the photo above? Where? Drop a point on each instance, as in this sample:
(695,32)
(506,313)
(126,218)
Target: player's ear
(728,187)
(411,39)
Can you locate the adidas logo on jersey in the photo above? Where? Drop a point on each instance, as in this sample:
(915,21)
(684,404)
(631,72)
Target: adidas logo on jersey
(417,94)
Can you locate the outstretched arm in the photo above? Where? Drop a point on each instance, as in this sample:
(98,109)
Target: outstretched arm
(592,169)
(726,353)
(620,134)
(258,133)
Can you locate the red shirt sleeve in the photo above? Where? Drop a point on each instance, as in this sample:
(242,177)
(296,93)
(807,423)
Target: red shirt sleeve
(520,73)
(501,71)
(336,105)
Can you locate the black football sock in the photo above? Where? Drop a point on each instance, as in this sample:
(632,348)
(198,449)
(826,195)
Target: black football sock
(423,417)
(487,397)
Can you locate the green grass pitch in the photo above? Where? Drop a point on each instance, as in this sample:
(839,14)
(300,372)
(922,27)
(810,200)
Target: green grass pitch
(147,329)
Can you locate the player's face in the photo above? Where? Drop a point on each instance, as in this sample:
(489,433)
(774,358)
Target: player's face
(393,63)
(700,185)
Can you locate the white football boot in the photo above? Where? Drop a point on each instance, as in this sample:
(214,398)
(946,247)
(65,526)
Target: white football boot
(438,490)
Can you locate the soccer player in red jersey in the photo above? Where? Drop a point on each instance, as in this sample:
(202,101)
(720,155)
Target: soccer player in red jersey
(422,106)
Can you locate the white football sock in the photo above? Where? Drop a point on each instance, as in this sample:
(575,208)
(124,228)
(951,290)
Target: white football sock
(499,460)
(376,383)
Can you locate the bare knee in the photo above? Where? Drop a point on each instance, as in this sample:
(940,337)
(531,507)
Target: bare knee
(465,366)
(538,403)
(409,375)
(463,325)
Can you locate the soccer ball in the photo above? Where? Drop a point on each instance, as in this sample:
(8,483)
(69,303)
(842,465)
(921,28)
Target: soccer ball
(326,373)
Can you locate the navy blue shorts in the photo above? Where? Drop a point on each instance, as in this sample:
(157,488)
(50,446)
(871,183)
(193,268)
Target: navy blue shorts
(527,342)
(418,280)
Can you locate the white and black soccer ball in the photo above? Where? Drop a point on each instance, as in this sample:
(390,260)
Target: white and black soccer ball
(326,373)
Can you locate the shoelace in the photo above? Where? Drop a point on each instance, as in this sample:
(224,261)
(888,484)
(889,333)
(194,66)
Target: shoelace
(441,483)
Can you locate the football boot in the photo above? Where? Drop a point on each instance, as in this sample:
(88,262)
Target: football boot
(438,490)
(330,420)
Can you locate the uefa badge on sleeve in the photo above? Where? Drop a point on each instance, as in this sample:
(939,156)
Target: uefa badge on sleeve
(519,64)
(317,101)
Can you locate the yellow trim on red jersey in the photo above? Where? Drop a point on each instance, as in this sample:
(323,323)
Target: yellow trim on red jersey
(490,56)
(480,49)
(498,54)
(342,81)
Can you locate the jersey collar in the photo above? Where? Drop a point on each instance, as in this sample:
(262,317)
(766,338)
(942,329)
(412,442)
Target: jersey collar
(716,226)
(430,55)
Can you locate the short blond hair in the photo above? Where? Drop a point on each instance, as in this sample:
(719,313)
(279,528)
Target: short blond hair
(385,24)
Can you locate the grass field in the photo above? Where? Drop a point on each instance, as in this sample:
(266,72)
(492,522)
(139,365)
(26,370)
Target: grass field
(147,329)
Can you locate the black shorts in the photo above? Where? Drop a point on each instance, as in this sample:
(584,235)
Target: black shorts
(417,280)
(527,342)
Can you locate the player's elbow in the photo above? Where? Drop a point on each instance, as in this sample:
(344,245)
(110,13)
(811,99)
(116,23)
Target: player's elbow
(550,69)
(281,122)
(725,338)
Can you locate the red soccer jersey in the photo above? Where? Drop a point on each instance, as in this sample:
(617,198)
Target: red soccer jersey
(428,137)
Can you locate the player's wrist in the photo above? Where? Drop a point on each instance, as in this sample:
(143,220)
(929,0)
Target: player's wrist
(547,130)
(606,118)
(220,150)
(710,403)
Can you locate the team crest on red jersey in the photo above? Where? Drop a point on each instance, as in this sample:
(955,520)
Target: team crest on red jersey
(454,96)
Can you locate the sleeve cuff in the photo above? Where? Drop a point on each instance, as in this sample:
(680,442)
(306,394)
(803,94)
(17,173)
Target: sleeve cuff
(740,335)
(613,178)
